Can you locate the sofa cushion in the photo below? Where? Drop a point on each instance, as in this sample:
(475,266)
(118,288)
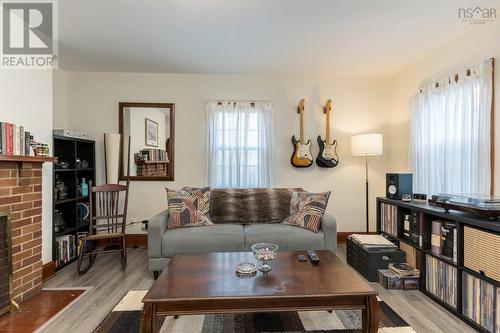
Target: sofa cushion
(248,206)
(307,209)
(288,238)
(214,238)
(188,208)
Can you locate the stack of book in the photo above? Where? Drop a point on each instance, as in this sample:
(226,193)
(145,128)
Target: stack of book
(14,140)
(373,242)
(478,301)
(441,280)
(65,249)
(444,239)
(389,219)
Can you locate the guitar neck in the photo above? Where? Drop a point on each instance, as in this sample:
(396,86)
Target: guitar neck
(328,127)
(301,127)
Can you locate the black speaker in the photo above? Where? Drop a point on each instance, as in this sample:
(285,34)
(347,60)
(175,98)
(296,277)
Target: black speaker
(397,184)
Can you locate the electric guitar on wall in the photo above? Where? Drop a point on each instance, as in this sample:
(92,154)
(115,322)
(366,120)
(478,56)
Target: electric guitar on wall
(327,156)
(301,157)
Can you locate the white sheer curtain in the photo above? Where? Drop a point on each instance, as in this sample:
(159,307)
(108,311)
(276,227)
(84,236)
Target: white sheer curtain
(240,141)
(450,134)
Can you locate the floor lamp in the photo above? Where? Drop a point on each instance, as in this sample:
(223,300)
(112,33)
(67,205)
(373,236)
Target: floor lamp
(367,145)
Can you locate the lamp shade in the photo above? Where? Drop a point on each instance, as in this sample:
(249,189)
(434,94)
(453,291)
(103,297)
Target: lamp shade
(370,144)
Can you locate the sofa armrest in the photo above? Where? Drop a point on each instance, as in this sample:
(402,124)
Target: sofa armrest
(157,226)
(329,228)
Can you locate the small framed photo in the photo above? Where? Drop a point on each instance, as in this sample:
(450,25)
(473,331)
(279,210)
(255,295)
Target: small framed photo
(151,133)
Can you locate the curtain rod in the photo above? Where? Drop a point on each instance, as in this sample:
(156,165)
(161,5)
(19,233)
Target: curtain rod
(252,102)
(456,76)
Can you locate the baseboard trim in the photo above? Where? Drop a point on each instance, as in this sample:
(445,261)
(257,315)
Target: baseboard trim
(136,240)
(342,236)
(48,270)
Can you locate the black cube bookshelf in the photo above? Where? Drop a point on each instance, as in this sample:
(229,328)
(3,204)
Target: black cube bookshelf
(440,272)
(70,150)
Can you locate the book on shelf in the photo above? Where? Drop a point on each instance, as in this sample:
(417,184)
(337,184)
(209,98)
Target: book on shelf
(14,140)
(389,219)
(449,241)
(80,235)
(478,301)
(65,249)
(436,236)
(153,154)
(441,280)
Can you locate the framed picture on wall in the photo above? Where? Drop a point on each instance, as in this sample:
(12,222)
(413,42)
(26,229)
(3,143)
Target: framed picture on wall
(151,133)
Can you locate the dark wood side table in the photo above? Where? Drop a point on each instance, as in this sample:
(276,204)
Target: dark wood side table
(207,283)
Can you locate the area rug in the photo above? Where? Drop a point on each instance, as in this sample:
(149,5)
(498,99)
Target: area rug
(126,317)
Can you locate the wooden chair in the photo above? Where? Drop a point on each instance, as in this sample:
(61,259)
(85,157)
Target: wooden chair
(106,225)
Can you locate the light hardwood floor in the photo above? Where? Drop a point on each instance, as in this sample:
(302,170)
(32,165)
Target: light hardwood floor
(108,284)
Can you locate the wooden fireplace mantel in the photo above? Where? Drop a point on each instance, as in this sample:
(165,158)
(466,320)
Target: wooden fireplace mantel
(32,159)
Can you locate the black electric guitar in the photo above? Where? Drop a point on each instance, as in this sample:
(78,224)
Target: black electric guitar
(301,157)
(327,156)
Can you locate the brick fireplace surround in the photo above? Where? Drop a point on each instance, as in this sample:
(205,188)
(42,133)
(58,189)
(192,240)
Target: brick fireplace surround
(21,196)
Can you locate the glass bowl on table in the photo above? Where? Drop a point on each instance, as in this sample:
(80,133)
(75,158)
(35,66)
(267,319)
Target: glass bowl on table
(264,252)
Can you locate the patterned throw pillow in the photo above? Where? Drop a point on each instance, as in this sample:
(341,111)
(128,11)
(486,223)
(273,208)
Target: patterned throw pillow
(188,207)
(307,209)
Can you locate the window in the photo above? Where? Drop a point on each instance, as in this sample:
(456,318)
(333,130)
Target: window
(450,144)
(240,144)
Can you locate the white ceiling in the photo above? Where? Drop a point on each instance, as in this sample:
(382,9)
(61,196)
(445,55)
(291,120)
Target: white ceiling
(330,37)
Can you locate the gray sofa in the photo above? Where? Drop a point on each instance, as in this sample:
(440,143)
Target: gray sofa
(241,218)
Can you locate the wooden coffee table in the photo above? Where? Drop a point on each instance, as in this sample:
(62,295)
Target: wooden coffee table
(207,283)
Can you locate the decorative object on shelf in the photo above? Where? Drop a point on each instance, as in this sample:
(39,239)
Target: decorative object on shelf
(82,212)
(420,197)
(406,197)
(264,252)
(85,188)
(301,156)
(70,134)
(78,163)
(484,206)
(61,165)
(84,164)
(112,156)
(59,224)
(60,189)
(327,156)
(151,133)
(365,145)
(40,149)
(246,269)
(398,185)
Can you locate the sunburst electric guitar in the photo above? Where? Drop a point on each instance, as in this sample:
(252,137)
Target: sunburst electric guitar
(301,157)
(327,156)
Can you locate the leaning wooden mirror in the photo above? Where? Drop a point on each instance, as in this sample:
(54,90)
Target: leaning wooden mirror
(147,141)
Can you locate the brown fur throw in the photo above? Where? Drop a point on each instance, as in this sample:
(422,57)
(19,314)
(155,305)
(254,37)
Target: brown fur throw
(247,206)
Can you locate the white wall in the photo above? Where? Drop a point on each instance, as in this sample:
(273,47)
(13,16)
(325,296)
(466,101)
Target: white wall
(359,106)
(470,48)
(26,99)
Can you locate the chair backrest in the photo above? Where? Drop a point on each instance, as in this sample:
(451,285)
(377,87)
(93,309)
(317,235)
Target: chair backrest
(110,212)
